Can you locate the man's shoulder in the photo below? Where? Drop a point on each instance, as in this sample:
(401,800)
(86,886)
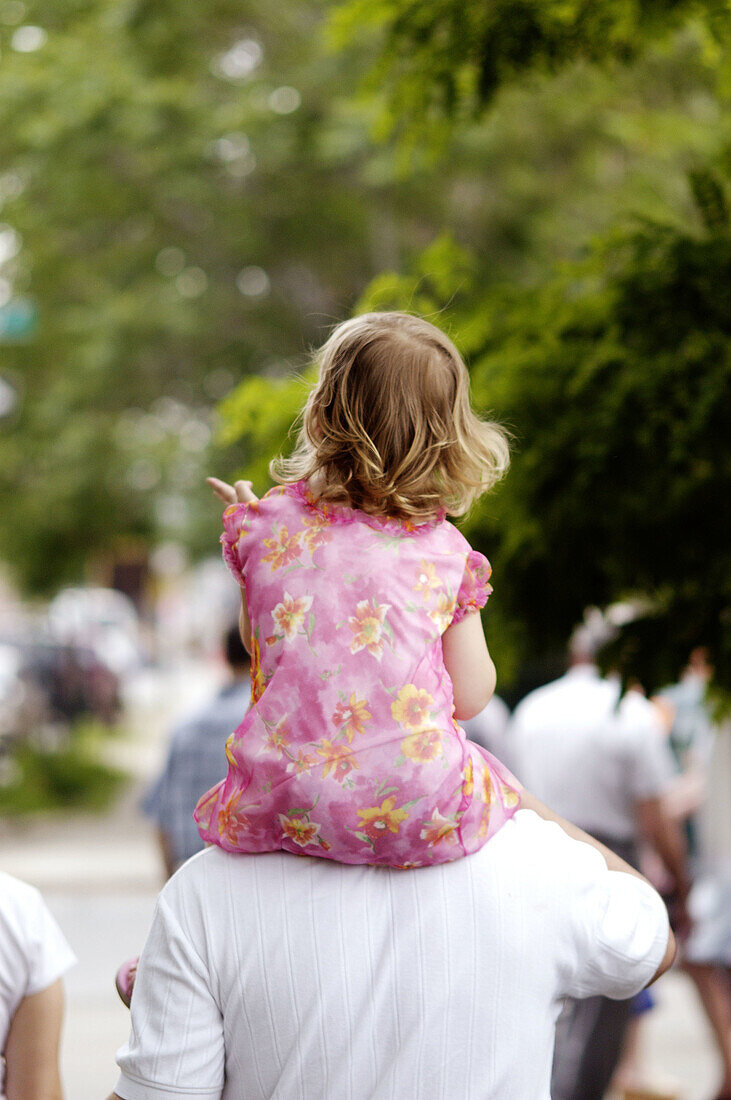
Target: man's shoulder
(540,851)
(528,857)
(214,869)
(536,700)
(589,685)
(639,717)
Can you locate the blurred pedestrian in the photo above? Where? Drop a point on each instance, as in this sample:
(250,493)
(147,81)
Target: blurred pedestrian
(194,757)
(691,739)
(602,760)
(706,955)
(34,956)
(707,960)
(271,976)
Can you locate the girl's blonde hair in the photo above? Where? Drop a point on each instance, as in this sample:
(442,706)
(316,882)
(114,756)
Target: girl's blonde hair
(388,427)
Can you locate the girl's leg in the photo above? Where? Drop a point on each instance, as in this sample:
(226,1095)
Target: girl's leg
(125,980)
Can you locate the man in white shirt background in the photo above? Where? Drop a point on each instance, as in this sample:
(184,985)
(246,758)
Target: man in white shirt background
(602,760)
(276,976)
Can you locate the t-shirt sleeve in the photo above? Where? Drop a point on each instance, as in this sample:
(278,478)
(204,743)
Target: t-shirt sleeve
(50,955)
(34,952)
(176,1045)
(238,520)
(620,929)
(475,587)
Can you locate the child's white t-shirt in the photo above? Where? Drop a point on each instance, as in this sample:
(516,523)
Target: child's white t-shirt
(33,952)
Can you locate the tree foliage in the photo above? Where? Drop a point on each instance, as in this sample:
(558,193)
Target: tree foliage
(612,374)
(177,176)
(446,60)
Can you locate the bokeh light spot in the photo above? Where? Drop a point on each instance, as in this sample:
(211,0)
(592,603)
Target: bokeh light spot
(191,282)
(240,61)
(27,39)
(170,261)
(284,100)
(252,282)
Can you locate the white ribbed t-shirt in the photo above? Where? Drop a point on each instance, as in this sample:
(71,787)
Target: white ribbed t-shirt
(272,976)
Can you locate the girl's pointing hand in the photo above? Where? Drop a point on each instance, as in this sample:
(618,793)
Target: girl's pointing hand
(240,492)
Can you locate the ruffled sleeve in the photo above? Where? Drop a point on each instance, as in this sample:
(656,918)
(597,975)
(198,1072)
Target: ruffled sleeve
(475,588)
(237,522)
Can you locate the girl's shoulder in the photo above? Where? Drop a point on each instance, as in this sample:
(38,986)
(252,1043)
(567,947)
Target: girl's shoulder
(268,506)
(347,515)
(451,538)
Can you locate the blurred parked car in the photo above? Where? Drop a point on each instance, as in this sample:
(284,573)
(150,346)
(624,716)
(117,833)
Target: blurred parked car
(47,683)
(102,620)
(73,680)
(11,688)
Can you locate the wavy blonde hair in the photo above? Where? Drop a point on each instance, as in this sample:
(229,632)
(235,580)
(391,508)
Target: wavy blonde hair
(388,428)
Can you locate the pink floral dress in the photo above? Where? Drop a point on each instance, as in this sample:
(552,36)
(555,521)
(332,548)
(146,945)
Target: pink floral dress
(350,749)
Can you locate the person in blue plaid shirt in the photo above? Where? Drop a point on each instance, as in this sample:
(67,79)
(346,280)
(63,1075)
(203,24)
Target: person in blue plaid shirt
(196,760)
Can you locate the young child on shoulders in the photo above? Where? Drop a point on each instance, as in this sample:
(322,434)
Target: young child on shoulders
(359,605)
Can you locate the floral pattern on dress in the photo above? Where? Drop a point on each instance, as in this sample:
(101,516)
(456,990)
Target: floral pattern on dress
(424,746)
(439,828)
(350,750)
(289,615)
(442,614)
(376,820)
(367,626)
(283,548)
(339,760)
(351,717)
(427,580)
(412,708)
(301,831)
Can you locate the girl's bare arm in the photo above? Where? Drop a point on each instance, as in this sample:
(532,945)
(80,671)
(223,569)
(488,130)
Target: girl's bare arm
(470,667)
(245,623)
(31,1051)
(240,492)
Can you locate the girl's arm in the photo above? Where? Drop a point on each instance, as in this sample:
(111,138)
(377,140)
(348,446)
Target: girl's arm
(240,492)
(469,665)
(31,1050)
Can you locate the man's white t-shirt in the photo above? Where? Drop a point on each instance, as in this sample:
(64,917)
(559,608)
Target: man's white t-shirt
(33,952)
(588,755)
(298,978)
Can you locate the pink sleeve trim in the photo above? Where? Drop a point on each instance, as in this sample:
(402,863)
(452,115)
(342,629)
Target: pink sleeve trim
(475,589)
(236,521)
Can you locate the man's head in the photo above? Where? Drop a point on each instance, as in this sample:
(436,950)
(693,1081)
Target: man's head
(236,656)
(589,637)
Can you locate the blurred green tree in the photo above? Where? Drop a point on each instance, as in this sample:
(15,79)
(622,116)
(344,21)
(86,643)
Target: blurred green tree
(191,193)
(613,374)
(442,62)
(178,207)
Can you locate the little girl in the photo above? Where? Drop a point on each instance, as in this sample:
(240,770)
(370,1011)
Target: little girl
(359,607)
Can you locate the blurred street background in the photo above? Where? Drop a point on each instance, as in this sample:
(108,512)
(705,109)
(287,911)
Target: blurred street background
(191,195)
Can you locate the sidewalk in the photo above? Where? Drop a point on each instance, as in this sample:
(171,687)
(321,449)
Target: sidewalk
(101,875)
